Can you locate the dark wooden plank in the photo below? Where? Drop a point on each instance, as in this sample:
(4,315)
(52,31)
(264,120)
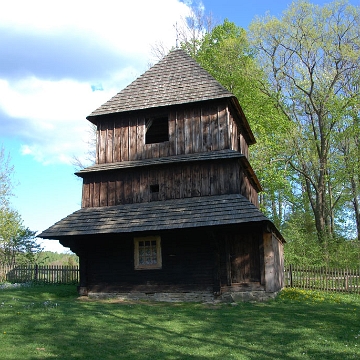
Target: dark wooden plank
(180,133)
(102,143)
(222,133)
(120,198)
(124,137)
(186,182)
(111,192)
(233,131)
(188,131)
(205,122)
(96,194)
(168,182)
(109,142)
(144,185)
(172,133)
(155,150)
(132,139)
(214,179)
(161,180)
(177,177)
(196,179)
(232,178)
(196,133)
(241,182)
(214,128)
(97,150)
(136,185)
(245,146)
(85,201)
(164,149)
(153,181)
(228,261)
(205,180)
(104,193)
(91,193)
(223,180)
(228,133)
(148,151)
(117,142)
(140,142)
(128,193)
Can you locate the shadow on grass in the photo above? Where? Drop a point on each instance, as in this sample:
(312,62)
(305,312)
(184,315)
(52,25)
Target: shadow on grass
(52,323)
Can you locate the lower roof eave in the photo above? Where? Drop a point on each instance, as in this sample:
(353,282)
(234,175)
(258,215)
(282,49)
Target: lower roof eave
(175,214)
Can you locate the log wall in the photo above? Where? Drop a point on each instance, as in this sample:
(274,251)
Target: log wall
(187,263)
(241,257)
(192,129)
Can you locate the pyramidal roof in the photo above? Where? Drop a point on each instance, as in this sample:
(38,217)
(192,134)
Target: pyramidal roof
(176,79)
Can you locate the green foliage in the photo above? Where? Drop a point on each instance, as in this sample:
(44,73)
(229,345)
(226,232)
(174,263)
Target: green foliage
(52,258)
(17,242)
(48,322)
(306,122)
(310,57)
(6,178)
(226,54)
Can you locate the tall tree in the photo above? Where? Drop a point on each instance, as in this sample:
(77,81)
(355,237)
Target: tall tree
(310,54)
(6,178)
(189,32)
(17,242)
(226,54)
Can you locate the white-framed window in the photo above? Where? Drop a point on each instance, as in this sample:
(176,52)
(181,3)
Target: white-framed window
(147,253)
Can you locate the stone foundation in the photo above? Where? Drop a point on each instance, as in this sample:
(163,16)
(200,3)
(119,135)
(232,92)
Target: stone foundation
(196,296)
(243,296)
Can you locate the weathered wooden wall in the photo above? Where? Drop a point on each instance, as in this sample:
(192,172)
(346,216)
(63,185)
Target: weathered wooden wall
(193,128)
(273,262)
(190,260)
(187,264)
(175,181)
(241,257)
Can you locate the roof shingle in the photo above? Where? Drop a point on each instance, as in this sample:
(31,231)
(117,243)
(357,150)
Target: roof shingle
(157,216)
(210,155)
(176,79)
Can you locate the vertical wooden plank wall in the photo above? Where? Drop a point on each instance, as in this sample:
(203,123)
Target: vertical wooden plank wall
(175,181)
(191,130)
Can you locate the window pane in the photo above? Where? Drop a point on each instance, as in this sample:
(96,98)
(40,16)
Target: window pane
(147,253)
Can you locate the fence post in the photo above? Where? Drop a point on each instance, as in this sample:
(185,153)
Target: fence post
(36,272)
(291,278)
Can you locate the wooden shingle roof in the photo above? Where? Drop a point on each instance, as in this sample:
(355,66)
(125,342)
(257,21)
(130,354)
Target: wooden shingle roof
(159,215)
(218,155)
(176,79)
(183,158)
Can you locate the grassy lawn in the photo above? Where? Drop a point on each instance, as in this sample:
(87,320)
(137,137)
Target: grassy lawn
(50,322)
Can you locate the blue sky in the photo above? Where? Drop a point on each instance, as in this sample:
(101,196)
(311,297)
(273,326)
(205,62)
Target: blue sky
(59,61)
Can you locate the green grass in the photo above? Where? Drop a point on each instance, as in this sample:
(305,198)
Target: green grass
(50,322)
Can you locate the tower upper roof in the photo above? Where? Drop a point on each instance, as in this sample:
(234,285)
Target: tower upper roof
(176,79)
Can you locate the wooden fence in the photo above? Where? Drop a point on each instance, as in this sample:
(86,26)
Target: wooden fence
(313,278)
(49,274)
(318,278)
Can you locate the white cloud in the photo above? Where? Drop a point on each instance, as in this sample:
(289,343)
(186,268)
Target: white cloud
(130,26)
(49,115)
